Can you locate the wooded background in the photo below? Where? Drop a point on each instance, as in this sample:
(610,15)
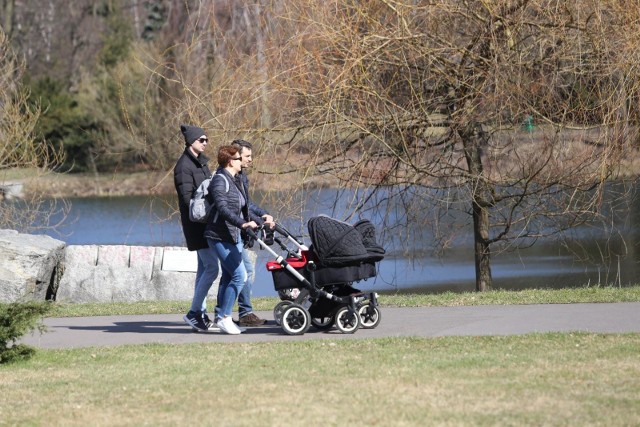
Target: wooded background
(513,113)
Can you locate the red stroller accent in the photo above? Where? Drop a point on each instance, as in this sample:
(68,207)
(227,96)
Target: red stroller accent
(315,284)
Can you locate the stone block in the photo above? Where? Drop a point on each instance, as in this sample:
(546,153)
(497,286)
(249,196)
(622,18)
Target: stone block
(108,274)
(113,256)
(77,284)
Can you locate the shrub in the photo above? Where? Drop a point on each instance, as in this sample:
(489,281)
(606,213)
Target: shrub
(16,319)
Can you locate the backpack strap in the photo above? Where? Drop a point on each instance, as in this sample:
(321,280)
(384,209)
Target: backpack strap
(226,182)
(226,190)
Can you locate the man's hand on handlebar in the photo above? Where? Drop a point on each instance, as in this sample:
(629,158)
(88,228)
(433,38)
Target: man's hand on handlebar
(268,220)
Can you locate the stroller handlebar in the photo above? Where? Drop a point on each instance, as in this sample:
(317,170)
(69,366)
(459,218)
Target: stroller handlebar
(264,236)
(281,229)
(251,233)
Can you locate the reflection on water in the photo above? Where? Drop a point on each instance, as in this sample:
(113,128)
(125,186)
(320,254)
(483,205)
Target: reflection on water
(145,221)
(152,221)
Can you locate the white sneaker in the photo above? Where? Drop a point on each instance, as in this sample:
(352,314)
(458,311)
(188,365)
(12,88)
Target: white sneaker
(227,326)
(214,326)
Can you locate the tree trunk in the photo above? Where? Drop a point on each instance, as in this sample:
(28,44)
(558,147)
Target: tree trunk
(482,249)
(473,139)
(49,22)
(8,17)
(265,121)
(136,18)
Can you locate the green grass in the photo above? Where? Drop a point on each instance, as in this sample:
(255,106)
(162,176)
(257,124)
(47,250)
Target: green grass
(537,379)
(530,296)
(553,379)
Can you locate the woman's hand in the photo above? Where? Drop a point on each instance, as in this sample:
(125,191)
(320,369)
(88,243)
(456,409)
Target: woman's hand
(250,224)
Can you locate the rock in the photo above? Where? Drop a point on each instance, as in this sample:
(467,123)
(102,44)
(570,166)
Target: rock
(30,266)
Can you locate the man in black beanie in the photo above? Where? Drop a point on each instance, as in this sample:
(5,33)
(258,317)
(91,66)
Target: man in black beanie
(189,172)
(192,134)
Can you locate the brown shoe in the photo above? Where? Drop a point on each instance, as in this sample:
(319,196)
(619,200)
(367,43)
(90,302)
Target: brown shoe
(251,320)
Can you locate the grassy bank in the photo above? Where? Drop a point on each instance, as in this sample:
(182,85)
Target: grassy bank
(99,185)
(142,183)
(530,296)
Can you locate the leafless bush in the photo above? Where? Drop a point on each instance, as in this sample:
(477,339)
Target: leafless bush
(20,154)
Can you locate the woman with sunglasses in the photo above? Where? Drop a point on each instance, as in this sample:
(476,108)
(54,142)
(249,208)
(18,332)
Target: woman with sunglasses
(230,214)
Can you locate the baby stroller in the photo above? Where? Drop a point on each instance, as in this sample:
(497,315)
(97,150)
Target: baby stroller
(315,284)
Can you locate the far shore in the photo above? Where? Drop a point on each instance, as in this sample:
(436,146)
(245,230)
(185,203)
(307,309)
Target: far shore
(147,183)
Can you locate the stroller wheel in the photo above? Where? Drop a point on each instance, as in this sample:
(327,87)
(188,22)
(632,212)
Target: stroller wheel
(322,323)
(296,320)
(279,309)
(347,320)
(369,316)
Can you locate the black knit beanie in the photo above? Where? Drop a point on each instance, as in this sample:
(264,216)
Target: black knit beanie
(191,133)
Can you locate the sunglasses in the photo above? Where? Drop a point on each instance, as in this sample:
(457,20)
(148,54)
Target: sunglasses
(203,140)
(236,158)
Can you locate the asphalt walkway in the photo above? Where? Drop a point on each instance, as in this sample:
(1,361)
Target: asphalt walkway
(421,322)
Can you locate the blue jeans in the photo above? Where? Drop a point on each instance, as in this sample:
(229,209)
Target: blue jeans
(233,275)
(244,299)
(205,275)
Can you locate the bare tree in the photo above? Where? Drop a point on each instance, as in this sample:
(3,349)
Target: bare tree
(515,112)
(21,155)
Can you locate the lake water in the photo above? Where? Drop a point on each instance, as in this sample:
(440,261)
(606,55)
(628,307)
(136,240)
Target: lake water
(152,221)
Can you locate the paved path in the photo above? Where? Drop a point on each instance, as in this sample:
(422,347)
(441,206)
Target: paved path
(421,322)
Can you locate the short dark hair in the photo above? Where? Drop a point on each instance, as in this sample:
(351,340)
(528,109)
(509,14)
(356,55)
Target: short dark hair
(225,154)
(241,144)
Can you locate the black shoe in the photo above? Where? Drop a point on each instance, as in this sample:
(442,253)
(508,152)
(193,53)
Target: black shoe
(206,320)
(196,321)
(211,326)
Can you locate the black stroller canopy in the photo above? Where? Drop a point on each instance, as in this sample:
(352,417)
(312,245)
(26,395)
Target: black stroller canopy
(337,243)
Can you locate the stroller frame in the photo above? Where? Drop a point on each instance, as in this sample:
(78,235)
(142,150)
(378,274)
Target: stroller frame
(325,299)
